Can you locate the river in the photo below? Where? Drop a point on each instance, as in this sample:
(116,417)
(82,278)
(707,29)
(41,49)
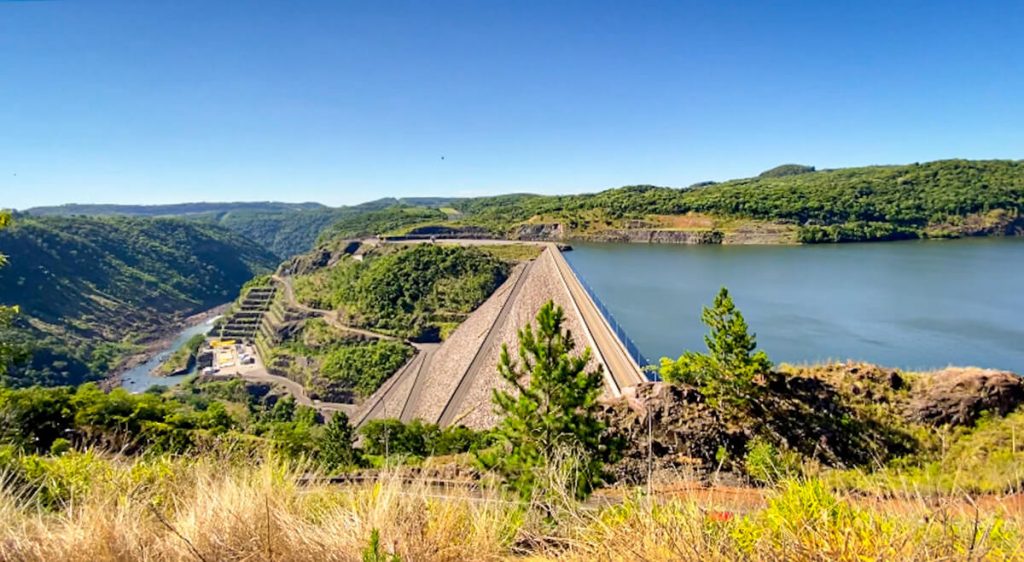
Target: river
(913,305)
(141,377)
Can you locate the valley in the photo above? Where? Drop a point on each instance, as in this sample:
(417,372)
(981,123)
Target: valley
(428,346)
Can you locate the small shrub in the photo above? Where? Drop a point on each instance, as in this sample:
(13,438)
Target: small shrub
(766,464)
(372,553)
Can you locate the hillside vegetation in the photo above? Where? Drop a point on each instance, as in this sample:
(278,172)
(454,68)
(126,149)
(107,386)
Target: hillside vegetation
(414,292)
(285,229)
(93,289)
(936,199)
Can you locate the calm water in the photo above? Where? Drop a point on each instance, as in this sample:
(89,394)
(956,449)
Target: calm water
(915,305)
(141,377)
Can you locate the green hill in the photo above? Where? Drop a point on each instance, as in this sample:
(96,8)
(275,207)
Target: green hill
(172,210)
(92,289)
(946,198)
(286,229)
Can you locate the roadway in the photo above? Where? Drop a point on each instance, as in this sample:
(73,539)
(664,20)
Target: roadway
(623,372)
(256,372)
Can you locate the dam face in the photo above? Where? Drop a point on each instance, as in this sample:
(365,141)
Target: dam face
(452,383)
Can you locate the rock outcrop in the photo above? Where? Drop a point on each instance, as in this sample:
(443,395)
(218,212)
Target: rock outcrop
(958,396)
(666,427)
(544,232)
(656,236)
(318,258)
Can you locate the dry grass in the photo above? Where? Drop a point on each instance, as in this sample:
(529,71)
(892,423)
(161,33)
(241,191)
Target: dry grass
(206,509)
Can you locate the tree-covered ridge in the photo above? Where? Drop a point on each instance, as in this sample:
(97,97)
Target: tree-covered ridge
(412,292)
(286,229)
(171,210)
(92,288)
(935,199)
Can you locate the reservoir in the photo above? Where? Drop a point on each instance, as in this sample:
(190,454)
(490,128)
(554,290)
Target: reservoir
(140,377)
(912,305)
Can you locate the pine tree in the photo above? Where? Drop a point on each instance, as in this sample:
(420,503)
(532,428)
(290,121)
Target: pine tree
(336,449)
(727,374)
(552,411)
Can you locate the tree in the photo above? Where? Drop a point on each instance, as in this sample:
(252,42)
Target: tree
(552,413)
(336,443)
(7,313)
(727,374)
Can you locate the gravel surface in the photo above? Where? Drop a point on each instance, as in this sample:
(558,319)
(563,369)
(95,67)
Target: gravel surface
(544,284)
(395,400)
(449,363)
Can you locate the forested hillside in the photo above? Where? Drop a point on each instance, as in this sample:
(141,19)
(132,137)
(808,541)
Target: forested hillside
(171,210)
(92,289)
(937,199)
(286,229)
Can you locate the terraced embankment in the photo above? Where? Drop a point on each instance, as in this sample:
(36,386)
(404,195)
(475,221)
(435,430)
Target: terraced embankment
(244,321)
(453,385)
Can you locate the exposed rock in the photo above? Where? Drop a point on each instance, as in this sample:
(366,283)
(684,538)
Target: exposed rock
(655,236)
(958,396)
(762,233)
(318,258)
(666,426)
(540,231)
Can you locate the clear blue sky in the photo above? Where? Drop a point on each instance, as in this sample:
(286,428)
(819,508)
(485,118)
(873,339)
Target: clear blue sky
(161,101)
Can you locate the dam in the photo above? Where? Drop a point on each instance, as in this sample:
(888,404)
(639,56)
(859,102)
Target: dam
(451,383)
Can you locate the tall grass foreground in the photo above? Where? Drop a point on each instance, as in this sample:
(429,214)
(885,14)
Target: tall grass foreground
(92,507)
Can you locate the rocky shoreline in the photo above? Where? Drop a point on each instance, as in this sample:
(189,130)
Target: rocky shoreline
(159,342)
(752,234)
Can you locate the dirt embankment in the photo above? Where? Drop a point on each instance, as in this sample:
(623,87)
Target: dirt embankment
(841,415)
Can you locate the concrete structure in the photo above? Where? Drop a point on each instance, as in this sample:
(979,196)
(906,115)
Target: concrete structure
(452,383)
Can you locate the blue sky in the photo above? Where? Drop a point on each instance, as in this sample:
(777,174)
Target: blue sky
(162,101)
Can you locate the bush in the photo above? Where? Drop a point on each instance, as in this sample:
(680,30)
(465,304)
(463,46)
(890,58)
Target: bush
(390,437)
(766,464)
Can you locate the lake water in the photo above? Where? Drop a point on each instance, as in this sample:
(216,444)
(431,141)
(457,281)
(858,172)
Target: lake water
(913,305)
(140,377)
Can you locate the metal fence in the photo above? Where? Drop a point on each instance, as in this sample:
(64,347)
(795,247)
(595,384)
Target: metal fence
(620,332)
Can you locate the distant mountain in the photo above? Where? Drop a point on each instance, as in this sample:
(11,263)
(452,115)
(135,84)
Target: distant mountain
(91,289)
(286,229)
(173,210)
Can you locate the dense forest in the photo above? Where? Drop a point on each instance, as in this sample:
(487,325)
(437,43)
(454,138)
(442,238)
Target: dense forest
(91,290)
(938,199)
(285,229)
(416,292)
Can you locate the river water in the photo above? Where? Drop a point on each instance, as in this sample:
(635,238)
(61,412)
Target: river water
(912,305)
(140,377)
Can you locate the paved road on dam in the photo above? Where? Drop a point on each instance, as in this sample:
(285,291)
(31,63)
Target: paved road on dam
(623,370)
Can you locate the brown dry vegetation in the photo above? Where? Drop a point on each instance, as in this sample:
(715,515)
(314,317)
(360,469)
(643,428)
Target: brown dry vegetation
(218,509)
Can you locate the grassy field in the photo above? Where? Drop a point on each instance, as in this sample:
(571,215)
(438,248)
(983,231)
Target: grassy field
(86,507)
(513,252)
